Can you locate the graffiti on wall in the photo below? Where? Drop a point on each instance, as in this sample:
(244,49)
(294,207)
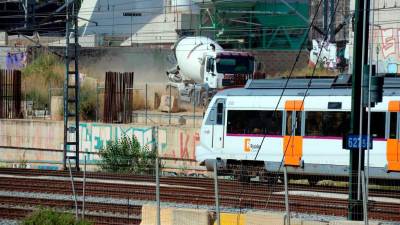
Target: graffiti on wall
(15,60)
(387,50)
(94,137)
(171,142)
(178,143)
(324,54)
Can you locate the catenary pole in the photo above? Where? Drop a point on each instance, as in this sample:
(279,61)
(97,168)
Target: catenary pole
(358,115)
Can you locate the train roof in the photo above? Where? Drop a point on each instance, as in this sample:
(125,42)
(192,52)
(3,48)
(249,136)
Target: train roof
(332,86)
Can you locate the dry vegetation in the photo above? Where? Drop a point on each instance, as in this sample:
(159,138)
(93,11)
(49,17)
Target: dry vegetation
(42,72)
(47,70)
(307,71)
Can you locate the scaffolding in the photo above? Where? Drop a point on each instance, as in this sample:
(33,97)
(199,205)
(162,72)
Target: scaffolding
(267,24)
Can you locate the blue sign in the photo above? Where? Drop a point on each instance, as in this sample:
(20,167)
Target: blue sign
(353,141)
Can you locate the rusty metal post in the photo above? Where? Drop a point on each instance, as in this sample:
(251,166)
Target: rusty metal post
(194,108)
(287,217)
(216,193)
(170,104)
(146,105)
(97,101)
(73,189)
(84,189)
(118,97)
(10,94)
(365,197)
(158,191)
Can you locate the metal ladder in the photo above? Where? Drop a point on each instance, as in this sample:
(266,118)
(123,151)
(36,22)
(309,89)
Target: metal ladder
(71,91)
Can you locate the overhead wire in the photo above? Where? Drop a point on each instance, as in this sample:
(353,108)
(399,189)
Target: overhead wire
(291,71)
(303,99)
(264,136)
(234,29)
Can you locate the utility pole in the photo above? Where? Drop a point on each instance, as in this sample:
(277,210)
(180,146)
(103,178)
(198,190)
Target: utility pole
(332,21)
(360,58)
(71,88)
(326,16)
(29,8)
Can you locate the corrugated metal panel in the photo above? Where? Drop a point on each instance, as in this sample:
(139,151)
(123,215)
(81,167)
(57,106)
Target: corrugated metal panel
(118,103)
(10,94)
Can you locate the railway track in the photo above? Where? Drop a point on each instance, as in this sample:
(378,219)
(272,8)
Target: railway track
(185,190)
(132,211)
(14,213)
(198,182)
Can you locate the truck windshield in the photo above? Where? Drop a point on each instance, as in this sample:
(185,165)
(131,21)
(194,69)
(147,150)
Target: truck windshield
(235,65)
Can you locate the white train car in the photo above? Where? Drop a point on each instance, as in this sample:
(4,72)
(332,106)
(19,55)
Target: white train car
(306,135)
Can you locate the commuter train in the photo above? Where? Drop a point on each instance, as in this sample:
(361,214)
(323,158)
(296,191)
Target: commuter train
(273,120)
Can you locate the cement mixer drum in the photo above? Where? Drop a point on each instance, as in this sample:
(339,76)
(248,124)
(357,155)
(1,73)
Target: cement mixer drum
(190,53)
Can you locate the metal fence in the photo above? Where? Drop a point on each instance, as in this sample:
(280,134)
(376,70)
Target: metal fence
(145,108)
(156,194)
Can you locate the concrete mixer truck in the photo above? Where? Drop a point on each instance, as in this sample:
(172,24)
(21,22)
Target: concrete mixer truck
(203,67)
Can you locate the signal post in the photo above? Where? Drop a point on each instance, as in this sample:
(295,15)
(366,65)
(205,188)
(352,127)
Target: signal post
(358,112)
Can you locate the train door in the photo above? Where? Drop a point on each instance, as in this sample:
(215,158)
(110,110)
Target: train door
(293,140)
(393,142)
(219,125)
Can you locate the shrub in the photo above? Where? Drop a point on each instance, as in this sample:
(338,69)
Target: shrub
(51,217)
(127,156)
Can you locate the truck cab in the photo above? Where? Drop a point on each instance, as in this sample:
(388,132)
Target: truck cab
(228,69)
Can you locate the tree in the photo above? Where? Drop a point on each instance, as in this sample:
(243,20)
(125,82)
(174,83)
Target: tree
(127,156)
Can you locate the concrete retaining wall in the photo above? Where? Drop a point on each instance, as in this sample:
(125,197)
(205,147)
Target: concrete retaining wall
(175,142)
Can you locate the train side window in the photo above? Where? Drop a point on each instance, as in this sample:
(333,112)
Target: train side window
(378,119)
(214,114)
(254,122)
(314,123)
(334,124)
(393,125)
(293,124)
(220,113)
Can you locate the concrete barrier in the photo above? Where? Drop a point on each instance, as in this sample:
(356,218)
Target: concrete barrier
(180,216)
(257,218)
(191,216)
(174,216)
(276,218)
(232,219)
(306,222)
(149,215)
(347,222)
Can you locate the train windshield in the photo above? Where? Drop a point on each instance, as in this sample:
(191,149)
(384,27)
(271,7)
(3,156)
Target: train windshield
(235,65)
